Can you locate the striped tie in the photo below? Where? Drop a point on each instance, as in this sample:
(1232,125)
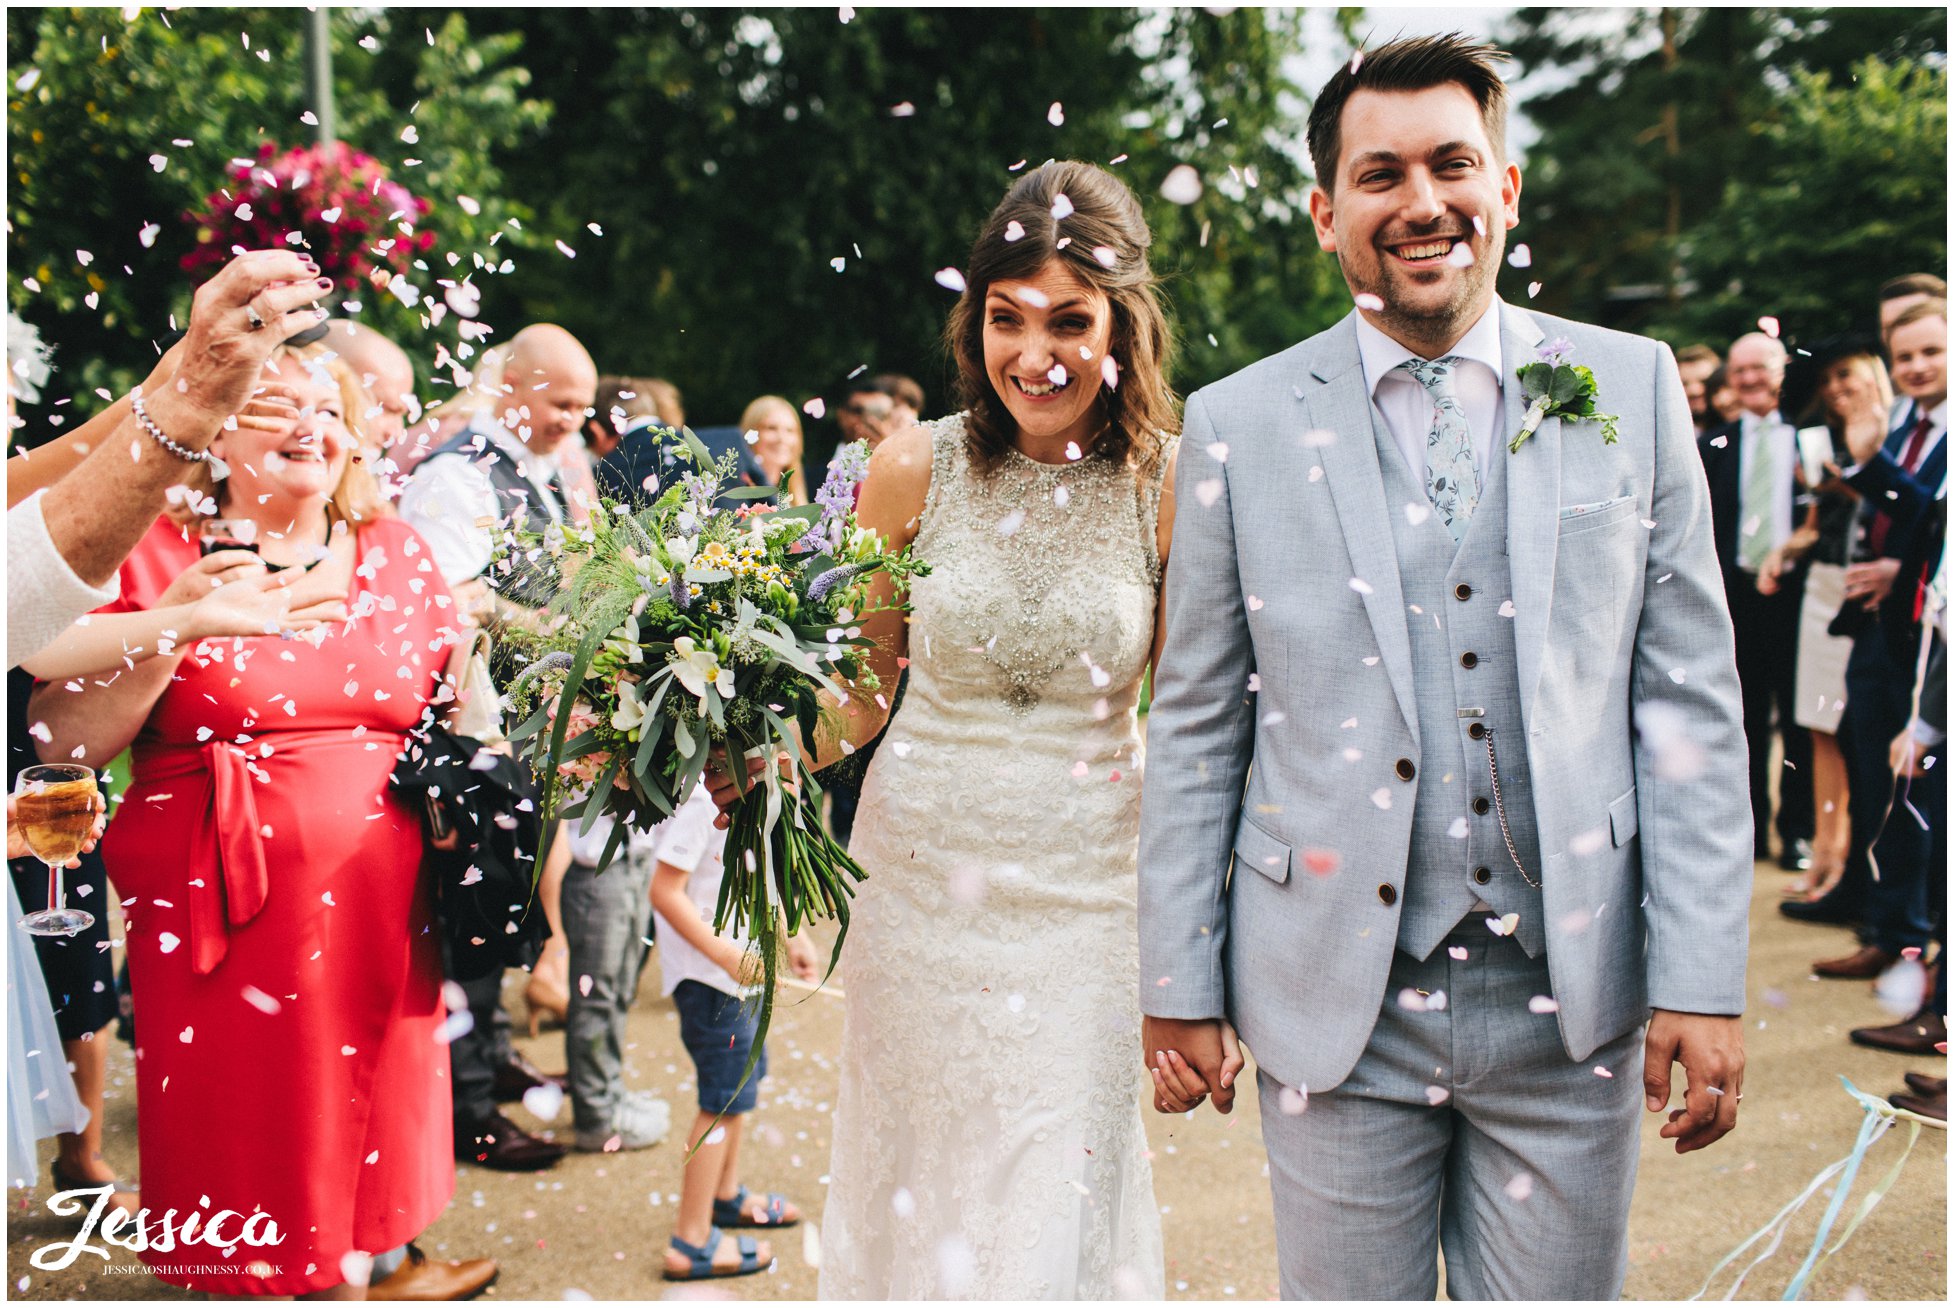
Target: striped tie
(1758,515)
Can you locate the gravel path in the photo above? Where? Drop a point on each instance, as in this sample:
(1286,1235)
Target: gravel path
(594,1225)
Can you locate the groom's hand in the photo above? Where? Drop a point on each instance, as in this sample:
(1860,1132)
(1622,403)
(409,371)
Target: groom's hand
(1711,1050)
(1200,1055)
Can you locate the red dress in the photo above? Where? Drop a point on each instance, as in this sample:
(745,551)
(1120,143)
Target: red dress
(283,954)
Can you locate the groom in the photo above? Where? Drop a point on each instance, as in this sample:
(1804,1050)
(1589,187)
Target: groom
(1464,723)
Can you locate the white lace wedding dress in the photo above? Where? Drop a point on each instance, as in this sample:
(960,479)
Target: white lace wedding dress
(988,1140)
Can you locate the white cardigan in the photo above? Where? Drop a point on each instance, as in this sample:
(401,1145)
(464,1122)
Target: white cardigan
(44,596)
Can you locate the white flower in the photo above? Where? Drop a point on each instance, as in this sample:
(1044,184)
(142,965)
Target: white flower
(697,668)
(682,549)
(630,714)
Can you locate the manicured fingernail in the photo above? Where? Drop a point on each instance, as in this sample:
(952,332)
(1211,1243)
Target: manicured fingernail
(320,314)
(325,283)
(1655,1105)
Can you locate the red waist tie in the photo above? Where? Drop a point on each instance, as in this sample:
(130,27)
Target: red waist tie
(227,878)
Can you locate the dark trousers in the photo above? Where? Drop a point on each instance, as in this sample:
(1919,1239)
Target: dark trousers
(1908,849)
(1766,629)
(1878,700)
(474,1056)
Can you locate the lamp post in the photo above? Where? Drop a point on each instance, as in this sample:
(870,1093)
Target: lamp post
(318,73)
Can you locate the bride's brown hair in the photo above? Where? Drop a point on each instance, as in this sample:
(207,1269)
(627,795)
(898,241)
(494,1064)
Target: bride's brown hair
(1143,411)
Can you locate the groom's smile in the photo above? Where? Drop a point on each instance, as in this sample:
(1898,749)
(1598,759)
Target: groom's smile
(1416,207)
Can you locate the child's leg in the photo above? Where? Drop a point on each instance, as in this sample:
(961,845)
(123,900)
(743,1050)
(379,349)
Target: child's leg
(728,1184)
(698,1189)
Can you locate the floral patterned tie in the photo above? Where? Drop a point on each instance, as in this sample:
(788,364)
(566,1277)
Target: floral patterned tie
(1451,473)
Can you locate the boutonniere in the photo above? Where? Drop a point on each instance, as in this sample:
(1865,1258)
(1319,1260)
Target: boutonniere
(1560,389)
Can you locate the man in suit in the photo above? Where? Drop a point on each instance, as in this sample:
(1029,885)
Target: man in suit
(1752,468)
(1465,723)
(1900,477)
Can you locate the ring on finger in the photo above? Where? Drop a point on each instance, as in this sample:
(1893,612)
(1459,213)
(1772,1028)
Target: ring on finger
(251,316)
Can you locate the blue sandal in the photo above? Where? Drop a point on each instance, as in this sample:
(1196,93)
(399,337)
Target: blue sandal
(702,1268)
(733,1212)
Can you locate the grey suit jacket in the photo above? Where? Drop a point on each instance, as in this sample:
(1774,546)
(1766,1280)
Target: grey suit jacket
(1284,700)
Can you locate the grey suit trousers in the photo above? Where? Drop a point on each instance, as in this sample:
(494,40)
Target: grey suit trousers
(1464,1128)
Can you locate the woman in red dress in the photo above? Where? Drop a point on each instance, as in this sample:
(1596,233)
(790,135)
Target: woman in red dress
(281,938)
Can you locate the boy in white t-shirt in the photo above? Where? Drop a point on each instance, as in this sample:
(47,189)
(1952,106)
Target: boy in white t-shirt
(711,981)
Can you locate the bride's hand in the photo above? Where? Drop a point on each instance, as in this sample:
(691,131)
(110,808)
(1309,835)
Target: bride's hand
(725,793)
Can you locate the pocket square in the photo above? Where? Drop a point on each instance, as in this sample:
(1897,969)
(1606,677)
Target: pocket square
(1586,510)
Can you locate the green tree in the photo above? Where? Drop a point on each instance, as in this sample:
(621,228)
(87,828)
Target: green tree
(1650,117)
(731,157)
(117,128)
(1852,190)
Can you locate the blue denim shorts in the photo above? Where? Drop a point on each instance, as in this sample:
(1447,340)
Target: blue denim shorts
(718,1032)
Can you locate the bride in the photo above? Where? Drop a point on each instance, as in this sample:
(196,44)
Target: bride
(988,1140)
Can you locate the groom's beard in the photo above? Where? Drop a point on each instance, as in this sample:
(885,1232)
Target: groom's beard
(1440,322)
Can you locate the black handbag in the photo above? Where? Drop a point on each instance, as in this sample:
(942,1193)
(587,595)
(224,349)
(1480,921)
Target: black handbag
(468,784)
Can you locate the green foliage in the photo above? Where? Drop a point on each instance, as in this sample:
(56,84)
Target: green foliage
(197,88)
(1852,191)
(1780,161)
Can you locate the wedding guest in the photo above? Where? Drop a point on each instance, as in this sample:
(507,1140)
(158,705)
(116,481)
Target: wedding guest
(670,404)
(498,468)
(908,397)
(1752,468)
(775,426)
(387,374)
(710,980)
(1917,756)
(77,505)
(1903,293)
(479,399)
(607,923)
(1724,405)
(864,410)
(285,961)
(1697,364)
(1850,379)
(626,434)
(1899,476)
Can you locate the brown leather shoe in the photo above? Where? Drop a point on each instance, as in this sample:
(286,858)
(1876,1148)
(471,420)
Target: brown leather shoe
(519,1076)
(1865,965)
(1923,1033)
(1934,1106)
(499,1143)
(424,1280)
(1929,1086)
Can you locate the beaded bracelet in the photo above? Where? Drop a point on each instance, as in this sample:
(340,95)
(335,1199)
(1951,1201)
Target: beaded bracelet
(148,424)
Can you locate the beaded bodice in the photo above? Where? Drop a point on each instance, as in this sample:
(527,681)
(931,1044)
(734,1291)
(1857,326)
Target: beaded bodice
(1043,576)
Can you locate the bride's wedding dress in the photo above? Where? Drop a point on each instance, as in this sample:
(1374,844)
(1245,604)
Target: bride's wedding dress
(988,1140)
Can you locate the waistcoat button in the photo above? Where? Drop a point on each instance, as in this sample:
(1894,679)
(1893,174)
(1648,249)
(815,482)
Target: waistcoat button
(1477,731)
(1482,875)
(1468,660)
(1406,769)
(1480,806)
(1463,591)
(1388,893)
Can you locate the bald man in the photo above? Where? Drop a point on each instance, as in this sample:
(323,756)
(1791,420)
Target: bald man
(1752,468)
(501,466)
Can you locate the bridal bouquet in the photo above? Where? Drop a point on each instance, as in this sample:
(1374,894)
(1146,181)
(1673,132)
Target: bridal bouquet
(684,628)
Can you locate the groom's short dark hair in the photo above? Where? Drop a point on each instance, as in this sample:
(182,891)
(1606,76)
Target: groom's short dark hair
(1409,64)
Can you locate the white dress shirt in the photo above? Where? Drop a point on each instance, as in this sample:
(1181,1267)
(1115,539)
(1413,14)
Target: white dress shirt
(44,594)
(1406,405)
(451,502)
(1751,428)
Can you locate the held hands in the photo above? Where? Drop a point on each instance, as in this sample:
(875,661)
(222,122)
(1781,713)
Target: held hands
(1190,1060)
(232,593)
(1711,1050)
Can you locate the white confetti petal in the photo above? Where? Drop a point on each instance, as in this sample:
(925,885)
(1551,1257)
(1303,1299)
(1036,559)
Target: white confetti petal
(950,279)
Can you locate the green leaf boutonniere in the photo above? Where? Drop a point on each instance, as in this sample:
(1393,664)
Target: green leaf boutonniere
(1560,389)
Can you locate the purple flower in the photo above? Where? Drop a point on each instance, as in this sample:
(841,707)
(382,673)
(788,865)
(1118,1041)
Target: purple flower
(836,497)
(1557,351)
(832,578)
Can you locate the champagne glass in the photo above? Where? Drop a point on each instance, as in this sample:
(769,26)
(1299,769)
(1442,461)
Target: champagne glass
(54,804)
